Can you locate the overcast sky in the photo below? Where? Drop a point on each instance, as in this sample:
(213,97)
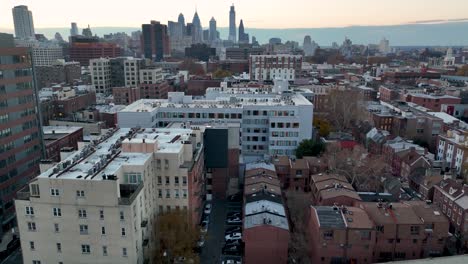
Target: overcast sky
(256,13)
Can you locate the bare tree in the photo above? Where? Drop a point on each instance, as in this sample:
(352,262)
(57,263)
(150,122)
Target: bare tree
(298,205)
(363,171)
(176,237)
(344,108)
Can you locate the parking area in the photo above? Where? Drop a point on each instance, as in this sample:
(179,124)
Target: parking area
(215,249)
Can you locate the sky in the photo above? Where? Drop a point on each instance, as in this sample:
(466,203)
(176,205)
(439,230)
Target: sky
(255,13)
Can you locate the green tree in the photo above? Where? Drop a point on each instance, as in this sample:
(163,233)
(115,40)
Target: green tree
(309,148)
(323,126)
(219,74)
(176,237)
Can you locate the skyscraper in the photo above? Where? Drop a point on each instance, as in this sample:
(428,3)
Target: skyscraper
(384,46)
(197,30)
(155,41)
(232,25)
(181,21)
(243,37)
(87,32)
(20,144)
(213,33)
(23,20)
(74,29)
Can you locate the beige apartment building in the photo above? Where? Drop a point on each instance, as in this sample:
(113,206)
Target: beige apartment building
(99,205)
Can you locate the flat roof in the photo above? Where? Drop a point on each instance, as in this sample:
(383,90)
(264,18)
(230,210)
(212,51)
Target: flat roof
(105,157)
(265,218)
(329,217)
(60,129)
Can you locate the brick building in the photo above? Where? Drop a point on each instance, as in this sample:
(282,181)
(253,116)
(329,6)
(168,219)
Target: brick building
(82,52)
(265,223)
(452,198)
(406,231)
(20,137)
(432,102)
(340,235)
(58,137)
(330,189)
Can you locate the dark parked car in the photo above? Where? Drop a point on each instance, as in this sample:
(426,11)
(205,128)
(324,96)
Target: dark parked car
(234,229)
(232,250)
(234,220)
(235,197)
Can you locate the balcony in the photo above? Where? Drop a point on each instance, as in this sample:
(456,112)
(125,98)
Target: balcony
(128,193)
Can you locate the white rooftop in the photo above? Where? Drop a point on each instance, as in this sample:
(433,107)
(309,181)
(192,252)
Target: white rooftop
(60,129)
(104,156)
(260,165)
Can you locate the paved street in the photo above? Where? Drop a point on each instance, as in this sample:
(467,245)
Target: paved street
(211,252)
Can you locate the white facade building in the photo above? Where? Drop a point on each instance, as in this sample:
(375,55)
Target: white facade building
(99,205)
(101,75)
(384,46)
(23,21)
(46,55)
(273,122)
(151,76)
(453,149)
(131,71)
(272,67)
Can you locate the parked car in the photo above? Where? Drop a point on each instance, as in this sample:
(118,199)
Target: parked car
(231,261)
(235,229)
(235,197)
(237,242)
(233,236)
(234,220)
(232,250)
(207,210)
(201,241)
(233,214)
(204,225)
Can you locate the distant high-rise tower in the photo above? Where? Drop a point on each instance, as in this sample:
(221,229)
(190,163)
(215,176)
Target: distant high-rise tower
(232,25)
(213,32)
(243,37)
(181,21)
(87,32)
(23,20)
(384,46)
(197,30)
(74,29)
(155,41)
(309,46)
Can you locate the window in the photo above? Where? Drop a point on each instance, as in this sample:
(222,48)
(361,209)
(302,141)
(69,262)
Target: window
(103,230)
(167,180)
(159,193)
(57,211)
(83,229)
(184,191)
(80,194)
(29,210)
(122,216)
(85,249)
(176,193)
(31,245)
(101,214)
(168,193)
(54,192)
(124,252)
(365,235)
(176,180)
(414,230)
(36,262)
(184,180)
(104,250)
(328,234)
(123,232)
(82,213)
(32,226)
(133,177)
(56,228)
(59,247)
(159,180)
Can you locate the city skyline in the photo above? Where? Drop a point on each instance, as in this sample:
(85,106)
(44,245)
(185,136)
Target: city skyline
(297,14)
